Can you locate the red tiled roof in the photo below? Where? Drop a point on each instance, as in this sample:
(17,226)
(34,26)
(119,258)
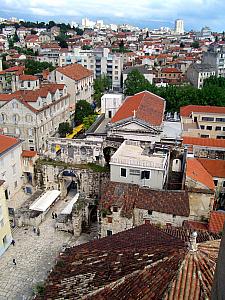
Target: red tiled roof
(28,77)
(197,172)
(170,70)
(75,71)
(214,167)
(185,111)
(141,263)
(130,196)
(216,221)
(195,225)
(214,143)
(147,106)
(28,153)
(7,142)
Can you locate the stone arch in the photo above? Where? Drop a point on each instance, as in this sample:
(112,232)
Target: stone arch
(68,180)
(108,152)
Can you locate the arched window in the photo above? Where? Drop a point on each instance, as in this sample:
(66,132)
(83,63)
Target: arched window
(29,118)
(3,118)
(15,118)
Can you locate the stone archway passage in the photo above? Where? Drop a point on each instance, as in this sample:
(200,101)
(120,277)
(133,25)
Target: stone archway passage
(108,152)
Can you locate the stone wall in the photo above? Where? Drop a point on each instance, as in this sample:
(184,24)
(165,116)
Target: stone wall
(88,181)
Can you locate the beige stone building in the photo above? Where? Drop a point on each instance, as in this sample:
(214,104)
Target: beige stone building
(78,80)
(203,121)
(5,230)
(34,115)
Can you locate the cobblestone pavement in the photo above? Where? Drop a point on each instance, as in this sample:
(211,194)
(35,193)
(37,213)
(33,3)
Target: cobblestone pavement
(35,256)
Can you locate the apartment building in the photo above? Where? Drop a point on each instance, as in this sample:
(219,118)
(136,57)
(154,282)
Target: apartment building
(35,115)
(102,62)
(110,104)
(10,165)
(203,121)
(215,56)
(78,80)
(197,73)
(5,230)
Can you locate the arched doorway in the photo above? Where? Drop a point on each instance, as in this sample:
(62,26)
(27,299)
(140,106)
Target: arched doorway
(108,152)
(69,183)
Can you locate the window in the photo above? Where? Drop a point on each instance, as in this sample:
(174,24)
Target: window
(211,119)
(29,118)
(109,232)
(30,132)
(14,105)
(220,119)
(150,212)
(3,118)
(28,83)
(204,136)
(224,184)
(215,182)
(209,127)
(15,184)
(14,169)
(61,78)
(17,131)
(115,209)
(145,174)
(123,172)
(15,119)
(1,223)
(135,172)
(109,219)
(202,126)
(174,216)
(218,128)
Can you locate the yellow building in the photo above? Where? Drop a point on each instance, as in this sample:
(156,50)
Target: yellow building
(203,121)
(5,230)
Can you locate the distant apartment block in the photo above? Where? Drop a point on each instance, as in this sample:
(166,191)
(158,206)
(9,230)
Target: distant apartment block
(197,73)
(215,56)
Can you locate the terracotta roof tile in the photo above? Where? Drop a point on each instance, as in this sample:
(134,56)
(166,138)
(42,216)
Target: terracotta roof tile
(216,221)
(170,70)
(197,172)
(28,153)
(75,71)
(141,263)
(28,77)
(147,106)
(7,142)
(214,167)
(185,111)
(214,143)
(130,196)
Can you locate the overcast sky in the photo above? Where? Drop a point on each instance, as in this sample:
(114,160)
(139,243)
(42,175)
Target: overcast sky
(145,13)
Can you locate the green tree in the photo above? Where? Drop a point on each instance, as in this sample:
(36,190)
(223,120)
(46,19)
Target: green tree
(89,120)
(83,109)
(135,83)
(64,128)
(33,67)
(195,45)
(86,47)
(101,84)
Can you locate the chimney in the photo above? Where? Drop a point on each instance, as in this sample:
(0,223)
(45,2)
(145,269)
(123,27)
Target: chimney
(193,242)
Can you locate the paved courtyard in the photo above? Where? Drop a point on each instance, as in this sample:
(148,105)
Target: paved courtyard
(35,256)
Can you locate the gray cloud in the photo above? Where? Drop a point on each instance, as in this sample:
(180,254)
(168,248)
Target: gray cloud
(196,13)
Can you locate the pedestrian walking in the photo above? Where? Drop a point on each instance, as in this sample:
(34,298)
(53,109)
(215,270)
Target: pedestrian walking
(34,229)
(53,215)
(38,231)
(56,216)
(13,242)
(14,261)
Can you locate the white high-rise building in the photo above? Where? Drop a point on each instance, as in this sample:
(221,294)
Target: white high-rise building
(179,26)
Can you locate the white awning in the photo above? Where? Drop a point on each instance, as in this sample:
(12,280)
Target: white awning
(68,209)
(45,201)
